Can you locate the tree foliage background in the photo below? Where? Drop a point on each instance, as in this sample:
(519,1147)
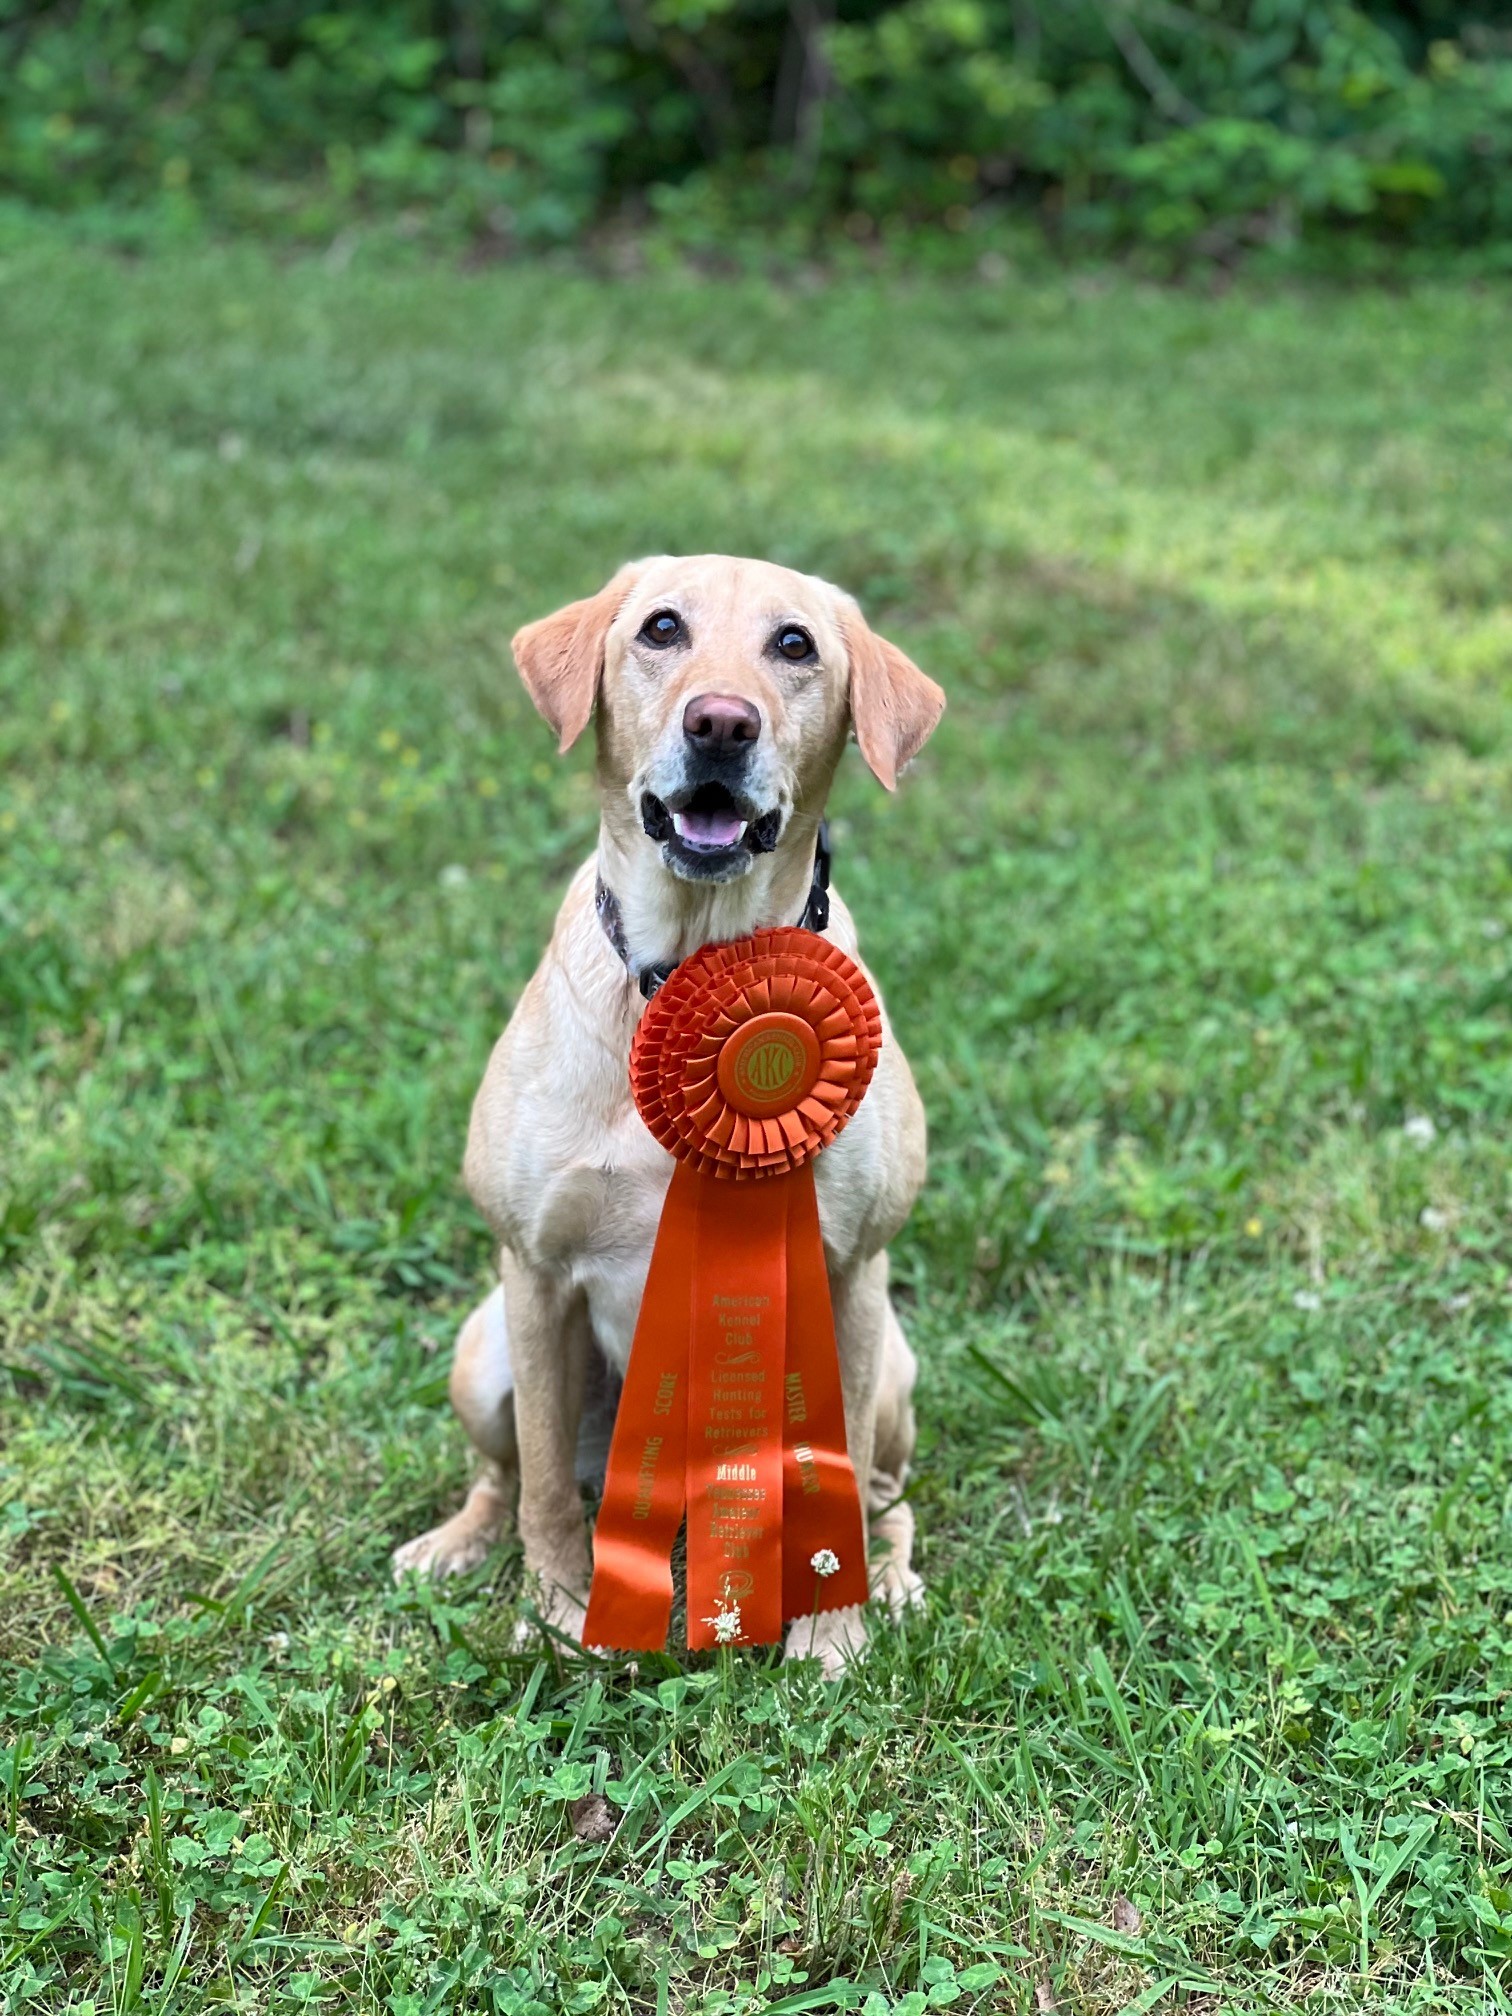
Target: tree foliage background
(1189,126)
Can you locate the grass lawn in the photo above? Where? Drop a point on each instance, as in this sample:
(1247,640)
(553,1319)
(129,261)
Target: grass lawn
(1194,921)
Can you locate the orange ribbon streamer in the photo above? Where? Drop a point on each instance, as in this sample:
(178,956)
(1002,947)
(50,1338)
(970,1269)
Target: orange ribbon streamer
(749,1061)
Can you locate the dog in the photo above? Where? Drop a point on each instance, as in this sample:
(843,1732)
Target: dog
(724,691)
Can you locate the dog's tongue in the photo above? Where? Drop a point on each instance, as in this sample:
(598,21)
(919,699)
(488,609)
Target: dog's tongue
(708,829)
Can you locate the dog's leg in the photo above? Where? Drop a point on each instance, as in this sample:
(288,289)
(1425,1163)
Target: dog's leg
(549,1343)
(861,1321)
(891,1522)
(482,1394)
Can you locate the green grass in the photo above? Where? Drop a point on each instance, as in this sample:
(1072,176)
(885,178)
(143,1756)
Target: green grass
(1198,897)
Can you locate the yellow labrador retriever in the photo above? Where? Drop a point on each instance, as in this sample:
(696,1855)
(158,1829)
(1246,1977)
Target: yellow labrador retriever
(724,691)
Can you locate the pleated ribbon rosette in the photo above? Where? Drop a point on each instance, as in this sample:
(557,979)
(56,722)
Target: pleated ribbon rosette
(750,1060)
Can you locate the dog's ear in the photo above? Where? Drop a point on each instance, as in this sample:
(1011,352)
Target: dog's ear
(561,658)
(895,707)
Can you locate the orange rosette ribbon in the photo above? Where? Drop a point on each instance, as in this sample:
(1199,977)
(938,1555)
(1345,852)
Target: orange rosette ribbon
(750,1059)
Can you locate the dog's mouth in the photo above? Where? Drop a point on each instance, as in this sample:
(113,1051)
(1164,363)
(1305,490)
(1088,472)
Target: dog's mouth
(708,833)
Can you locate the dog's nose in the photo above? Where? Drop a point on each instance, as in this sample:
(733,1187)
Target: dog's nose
(718,722)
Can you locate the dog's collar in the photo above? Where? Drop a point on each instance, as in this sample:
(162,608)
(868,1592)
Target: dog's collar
(649,978)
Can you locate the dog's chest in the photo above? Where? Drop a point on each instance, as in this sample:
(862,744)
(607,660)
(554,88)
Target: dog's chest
(606,1217)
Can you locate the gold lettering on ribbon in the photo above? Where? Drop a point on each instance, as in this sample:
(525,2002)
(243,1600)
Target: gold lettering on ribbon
(808,1470)
(645,1478)
(737,1504)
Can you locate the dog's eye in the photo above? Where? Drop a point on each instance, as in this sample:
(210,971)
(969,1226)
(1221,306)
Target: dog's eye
(661,628)
(794,643)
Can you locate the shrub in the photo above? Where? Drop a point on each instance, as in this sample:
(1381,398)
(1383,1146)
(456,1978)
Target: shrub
(1206,125)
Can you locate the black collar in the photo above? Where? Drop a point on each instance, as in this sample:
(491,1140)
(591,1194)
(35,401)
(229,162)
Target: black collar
(815,916)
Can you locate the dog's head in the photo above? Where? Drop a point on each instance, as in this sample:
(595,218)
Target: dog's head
(724,690)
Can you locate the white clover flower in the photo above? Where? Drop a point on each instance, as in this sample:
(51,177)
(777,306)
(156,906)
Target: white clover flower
(1305,1298)
(825,1562)
(1432,1219)
(725,1624)
(454,876)
(1419,1130)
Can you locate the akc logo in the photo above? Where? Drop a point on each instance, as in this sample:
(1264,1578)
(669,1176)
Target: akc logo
(767,1065)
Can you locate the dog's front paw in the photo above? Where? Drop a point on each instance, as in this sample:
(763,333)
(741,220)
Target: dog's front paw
(557,1610)
(898,1587)
(890,1565)
(834,1638)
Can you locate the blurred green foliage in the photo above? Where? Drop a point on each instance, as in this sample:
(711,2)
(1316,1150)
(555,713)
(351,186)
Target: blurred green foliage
(1202,128)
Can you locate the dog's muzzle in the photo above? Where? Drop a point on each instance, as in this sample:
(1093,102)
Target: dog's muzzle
(709,831)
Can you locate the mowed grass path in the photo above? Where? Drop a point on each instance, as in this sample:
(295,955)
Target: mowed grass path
(1194,921)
